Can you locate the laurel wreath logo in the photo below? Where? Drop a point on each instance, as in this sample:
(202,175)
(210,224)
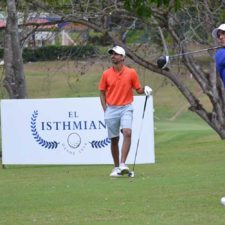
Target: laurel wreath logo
(39,140)
(100,144)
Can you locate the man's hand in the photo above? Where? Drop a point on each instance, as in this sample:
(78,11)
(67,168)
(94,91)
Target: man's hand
(147,90)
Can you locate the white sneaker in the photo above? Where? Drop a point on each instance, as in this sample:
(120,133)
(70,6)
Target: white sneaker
(115,172)
(124,169)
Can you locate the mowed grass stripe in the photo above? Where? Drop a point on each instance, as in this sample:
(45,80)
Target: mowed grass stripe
(184,186)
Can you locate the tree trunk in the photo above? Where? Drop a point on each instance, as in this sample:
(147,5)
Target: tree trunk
(14,80)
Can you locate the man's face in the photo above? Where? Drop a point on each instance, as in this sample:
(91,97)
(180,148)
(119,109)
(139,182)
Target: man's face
(116,58)
(221,37)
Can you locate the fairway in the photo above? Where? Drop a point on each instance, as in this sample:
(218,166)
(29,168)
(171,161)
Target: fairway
(184,186)
(112,112)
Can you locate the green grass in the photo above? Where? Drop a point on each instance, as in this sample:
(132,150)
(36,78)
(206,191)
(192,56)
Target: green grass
(62,79)
(183,187)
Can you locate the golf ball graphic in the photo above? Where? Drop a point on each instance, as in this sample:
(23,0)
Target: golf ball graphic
(74,140)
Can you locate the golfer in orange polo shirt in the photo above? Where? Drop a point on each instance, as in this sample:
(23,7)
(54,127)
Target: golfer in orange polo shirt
(116,94)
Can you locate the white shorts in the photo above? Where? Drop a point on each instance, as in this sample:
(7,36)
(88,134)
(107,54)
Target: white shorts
(118,117)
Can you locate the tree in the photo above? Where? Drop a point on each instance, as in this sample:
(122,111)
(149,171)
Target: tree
(14,80)
(170,26)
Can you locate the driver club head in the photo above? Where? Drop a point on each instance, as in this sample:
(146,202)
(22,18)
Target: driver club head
(163,62)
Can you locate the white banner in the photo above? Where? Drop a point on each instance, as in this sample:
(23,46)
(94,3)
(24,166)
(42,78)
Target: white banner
(68,131)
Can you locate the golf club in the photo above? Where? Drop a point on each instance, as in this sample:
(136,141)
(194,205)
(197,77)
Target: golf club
(131,174)
(163,61)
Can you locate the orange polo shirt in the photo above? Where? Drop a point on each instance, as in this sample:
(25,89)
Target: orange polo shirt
(118,85)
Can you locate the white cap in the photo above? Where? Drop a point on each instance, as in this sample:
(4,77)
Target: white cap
(221,27)
(117,49)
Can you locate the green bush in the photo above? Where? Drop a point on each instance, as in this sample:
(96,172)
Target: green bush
(49,53)
(1,53)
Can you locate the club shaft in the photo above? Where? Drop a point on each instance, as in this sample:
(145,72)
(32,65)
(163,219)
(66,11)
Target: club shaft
(194,52)
(146,98)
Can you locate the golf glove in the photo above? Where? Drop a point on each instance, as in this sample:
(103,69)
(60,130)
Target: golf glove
(147,90)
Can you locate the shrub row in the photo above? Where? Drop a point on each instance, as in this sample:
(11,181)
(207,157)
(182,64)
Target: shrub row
(1,53)
(49,53)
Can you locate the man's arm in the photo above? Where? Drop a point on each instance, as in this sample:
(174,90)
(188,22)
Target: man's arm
(140,91)
(103,100)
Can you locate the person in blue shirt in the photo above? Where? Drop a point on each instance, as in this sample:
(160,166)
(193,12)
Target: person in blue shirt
(219,34)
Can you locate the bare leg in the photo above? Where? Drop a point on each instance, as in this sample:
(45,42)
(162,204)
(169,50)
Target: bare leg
(126,144)
(115,150)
